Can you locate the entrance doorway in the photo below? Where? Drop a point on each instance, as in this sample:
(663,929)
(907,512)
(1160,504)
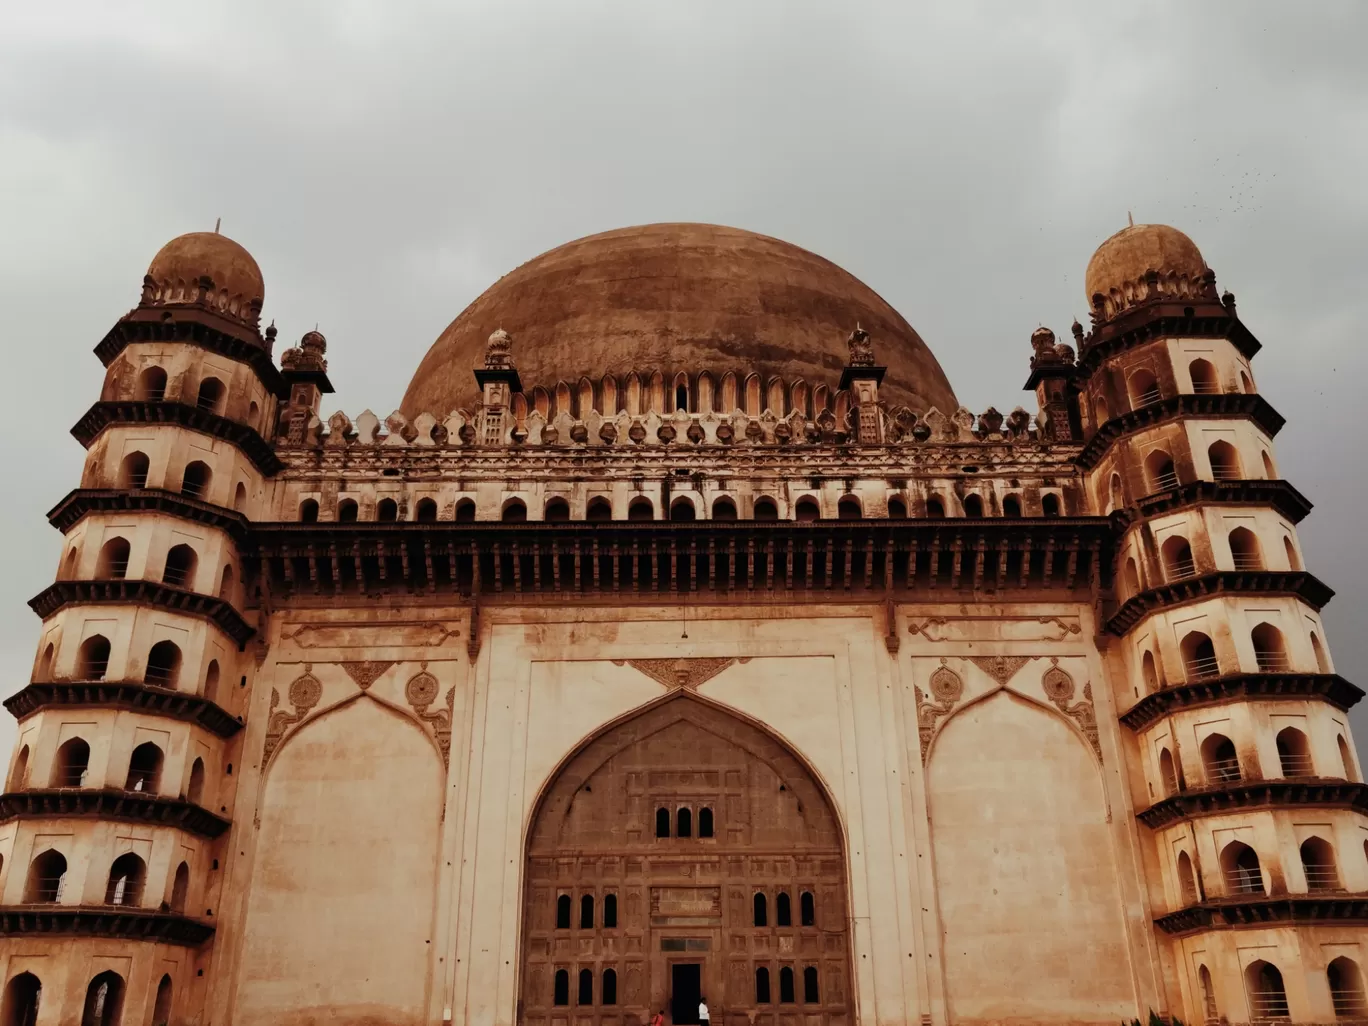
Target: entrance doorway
(686,989)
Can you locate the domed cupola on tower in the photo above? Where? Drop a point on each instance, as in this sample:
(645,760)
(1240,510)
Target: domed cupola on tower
(206,269)
(1144,263)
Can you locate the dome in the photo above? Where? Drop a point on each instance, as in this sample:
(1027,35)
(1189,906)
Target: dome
(677,297)
(1133,251)
(178,266)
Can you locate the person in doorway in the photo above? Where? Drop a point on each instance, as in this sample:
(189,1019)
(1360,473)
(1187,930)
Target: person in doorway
(659,1018)
(703,1011)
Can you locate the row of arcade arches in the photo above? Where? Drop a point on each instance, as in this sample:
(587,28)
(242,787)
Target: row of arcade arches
(45,881)
(1266,993)
(178,569)
(103,1004)
(162,668)
(196,479)
(1200,661)
(209,396)
(1221,763)
(1143,388)
(71,768)
(1242,872)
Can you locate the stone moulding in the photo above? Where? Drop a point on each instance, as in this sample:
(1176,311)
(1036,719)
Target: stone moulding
(683,674)
(111,803)
(304,693)
(1059,689)
(1189,318)
(121,921)
(129,411)
(1255,911)
(1316,792)
(947,688)
(1298,583)
(134,696)
(1279,494)
(129,591)
(1242,687)
(80,501)
(202,328)
(1243,405)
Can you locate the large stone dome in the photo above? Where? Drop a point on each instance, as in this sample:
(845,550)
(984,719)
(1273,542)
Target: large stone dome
(677,297)
(1126,257)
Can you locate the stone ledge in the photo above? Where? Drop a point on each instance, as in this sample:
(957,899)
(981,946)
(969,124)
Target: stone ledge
(1241,687)
(135,696)
(147,593)
(111,803)
(1318,792)
(103,921)
(1222,405)
(1251,911)
(204,328)
(129,411)
(1278,494)
(1299,583)
(80,501)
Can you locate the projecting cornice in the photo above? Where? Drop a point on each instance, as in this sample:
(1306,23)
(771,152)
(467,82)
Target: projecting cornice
(1241,687)
(1192,317)
(111,803)
(80,501)
(1297,583)
(130,411)
(120,921)
(1278,494)
(1226,405)
(1317,792)
(126,591)
(203,328)
(1257,910)
(131,695)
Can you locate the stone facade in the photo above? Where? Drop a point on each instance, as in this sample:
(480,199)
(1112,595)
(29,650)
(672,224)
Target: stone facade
(574,703)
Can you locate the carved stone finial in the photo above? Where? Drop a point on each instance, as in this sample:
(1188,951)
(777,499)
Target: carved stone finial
(307,356)
(1077,330)
(861,349)
(499,351)
(1042,340)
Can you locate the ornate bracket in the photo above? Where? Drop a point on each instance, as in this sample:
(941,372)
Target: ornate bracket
(683,674)
(946,689)
(305,691)
(1059,688)
(421,691)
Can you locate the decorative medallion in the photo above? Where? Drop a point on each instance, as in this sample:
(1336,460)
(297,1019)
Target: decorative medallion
(366,673)
(1059,689)
(304,692)
(946,689)
(421,691)
(1001,668)
(681,674)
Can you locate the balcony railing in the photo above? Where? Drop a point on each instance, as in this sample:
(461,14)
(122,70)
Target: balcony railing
(1247,562)
(1223,771)
(192,489)
(159,675)
(1206,388)
(1202,668)
(1225,472)
(1164,482)
(46,889)
(1265,1007)
(1321,878)
(1180,569)
(94,669)
(72,776)
(1349,1002)
(1147,398)
(1296,765)
(175,576)
(1272,662)
(1244,881)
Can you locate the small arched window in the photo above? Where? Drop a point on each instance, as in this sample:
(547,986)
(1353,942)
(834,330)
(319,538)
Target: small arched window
(640,509)
(723,509)
(973,506)
(22,996)
(557,511)
(195,480)
(1246,384)
(1225,462)
(45,662)
(935,508)
(608,995)
(586,912)
(72,764)
(807,909)
(806,510)
(465,511)
(561,990)
(599,510)
(1168,775)
(152,385)
(1267,995)
(211,680)
(1011,507)
(1240,864)
(144,769)
(1208,995)
(1346,758)
(1269,650)
(225,591)
(1244,549)
(1199,657)
(1143,388)
(1346,989)
(387,511)
(1148,671)
(46,876)
(682,510)
(1178,561)
(69,566)
(19,775)
(662,822)
(180,566)
(113,560)
(180,887)
(1269,472)
(897,509)
(240,497)
(586,987)
(1294,753)
(308,511)
(426,511)
(563,912)
(1118,500)
(610,911)
(1219,761)
(1101,411)
(92,660)
(684,823)
(810,995)
(705,822)
(1293,563)
(126,878)
(786,995)
(161,1007)
(783,909)
(681,397)
(1318,862)
(762,985)
(133,471)
(1187,880)
(346,511)
(104,1001)
(194,791)
(1204,379)
(1049,504)
(1160,471)
(765,509)
(760,910)
(210,395)
(849,508)
(163,664)
(1318,650)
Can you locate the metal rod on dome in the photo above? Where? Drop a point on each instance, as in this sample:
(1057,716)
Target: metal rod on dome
(217,222)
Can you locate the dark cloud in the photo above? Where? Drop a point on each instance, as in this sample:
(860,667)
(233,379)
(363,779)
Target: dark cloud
(386,162)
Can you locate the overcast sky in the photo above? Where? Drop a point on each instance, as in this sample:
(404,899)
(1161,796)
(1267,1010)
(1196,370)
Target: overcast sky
(386,162)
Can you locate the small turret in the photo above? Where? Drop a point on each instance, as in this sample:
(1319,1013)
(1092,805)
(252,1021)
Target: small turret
(1052,371)
(862,376)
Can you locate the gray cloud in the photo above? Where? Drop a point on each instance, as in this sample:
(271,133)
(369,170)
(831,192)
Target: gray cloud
(386,162)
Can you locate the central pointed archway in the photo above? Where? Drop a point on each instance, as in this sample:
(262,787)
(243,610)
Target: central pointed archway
(684,849)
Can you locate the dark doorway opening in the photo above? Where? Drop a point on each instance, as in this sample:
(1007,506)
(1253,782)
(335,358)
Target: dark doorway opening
(686,989)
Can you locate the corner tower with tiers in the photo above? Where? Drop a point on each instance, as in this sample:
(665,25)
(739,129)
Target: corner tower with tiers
(118,807)
(1240,755)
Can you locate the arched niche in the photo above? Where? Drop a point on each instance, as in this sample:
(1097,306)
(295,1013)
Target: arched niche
(593,832)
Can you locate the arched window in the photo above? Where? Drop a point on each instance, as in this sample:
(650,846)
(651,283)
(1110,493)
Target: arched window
(1346,989)
(1118,499)
(1148,671)
(346,511)
(1318,862)
(610,911)
(126,878)
(144,769)
(112,563)
(426,511)
(897,509)
(608,995)
(682,510)
(46,875)
(152,385)
(586,912)
(806,510)
(765,509)
(1199,657)
(935,508)
(1318,650)
(557,511)
(1246,385)
(387,511)
(161,1008)
(194,791)
(783,909)
(561,995)
(1011,507)
(1209,1011)
(1101,412)
(180,566)
(308,511)
(163,664)
(684,823)
(1293,563)
(225,591)
(19,775)
(681,397)
(1187,879)
(1269,472)
(1160,471)
(762,985)
(810,996)
(760,907)
(465,511)
(807,909)
(723,509)
(1219,761)
(22,995)
(586,988)
(210,395)
(599,511)
(72,764)
(1143,388)
(662,822)
(1267,996)
(1167,774)
(1269,650)
(1178,561)
(180,887)
(1294,753)
(563,912)
(1049,504)
(1240,865)
(1225,461)
(45,663)
(1204,379)
(640,509)
(104,1001)
(92,660)
(1346,759)
(973,506)
(705,822)
(195,480)
(1244,549)
(240,497)
(133,470)
(786,985)
(849,508)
